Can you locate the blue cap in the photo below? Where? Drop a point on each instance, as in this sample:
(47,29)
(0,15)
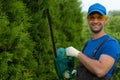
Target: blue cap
(97,8)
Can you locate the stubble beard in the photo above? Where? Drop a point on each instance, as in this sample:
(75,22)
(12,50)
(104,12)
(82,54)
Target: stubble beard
(96,31)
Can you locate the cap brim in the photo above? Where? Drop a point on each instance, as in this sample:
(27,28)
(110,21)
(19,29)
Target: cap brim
(96,11)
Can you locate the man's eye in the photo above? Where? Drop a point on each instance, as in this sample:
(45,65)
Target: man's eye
(100,17)
(91,17)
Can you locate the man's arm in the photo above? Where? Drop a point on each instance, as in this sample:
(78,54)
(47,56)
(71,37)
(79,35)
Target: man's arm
(98,67)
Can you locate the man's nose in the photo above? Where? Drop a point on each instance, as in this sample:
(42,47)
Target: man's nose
(95,20)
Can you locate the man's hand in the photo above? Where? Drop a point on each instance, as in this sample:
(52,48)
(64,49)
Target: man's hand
(71,51)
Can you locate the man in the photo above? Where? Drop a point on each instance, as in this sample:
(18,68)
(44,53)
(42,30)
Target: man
(103,63)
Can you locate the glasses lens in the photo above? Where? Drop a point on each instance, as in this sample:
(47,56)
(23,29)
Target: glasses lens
(99,18)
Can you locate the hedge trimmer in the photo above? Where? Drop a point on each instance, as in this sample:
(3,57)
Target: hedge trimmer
(63,64)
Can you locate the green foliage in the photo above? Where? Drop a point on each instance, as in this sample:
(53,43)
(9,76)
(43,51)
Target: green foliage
(26,51)
(70,24)
(16,58)
(114,13)
(66,21)
(86,30)
(114,23)
(116,75)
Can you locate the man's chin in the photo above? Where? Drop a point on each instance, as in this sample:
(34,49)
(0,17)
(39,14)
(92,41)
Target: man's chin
(96,31)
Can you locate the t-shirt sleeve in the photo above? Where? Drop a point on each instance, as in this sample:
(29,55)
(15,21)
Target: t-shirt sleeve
(112,49)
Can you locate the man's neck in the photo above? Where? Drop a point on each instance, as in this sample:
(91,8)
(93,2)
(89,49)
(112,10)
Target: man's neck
(97,35)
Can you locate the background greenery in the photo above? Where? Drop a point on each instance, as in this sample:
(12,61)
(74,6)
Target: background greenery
(26,51)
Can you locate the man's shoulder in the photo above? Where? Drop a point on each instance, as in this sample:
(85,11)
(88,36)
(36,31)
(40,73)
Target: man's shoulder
(112,39)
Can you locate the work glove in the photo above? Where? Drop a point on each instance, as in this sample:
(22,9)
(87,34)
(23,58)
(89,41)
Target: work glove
(68,75)
(71,51)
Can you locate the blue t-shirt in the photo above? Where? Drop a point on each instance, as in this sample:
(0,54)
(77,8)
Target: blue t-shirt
(110,47)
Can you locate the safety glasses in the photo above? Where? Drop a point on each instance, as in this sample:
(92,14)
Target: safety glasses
(96,17)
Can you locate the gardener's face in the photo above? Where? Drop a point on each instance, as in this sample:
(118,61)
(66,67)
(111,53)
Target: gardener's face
(96,22)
